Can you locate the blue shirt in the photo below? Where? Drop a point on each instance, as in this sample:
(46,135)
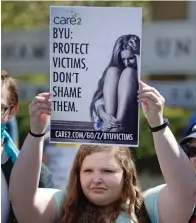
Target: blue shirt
(151,203)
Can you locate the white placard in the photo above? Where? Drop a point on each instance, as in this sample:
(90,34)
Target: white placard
(94,70)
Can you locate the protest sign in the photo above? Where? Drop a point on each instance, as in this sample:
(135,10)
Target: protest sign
(95,65)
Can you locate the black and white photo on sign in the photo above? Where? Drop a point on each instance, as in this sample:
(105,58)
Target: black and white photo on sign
(95,68)
(116,93)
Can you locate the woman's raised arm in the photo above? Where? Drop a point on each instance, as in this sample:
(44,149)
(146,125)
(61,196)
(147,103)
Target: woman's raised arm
(31,204)
(177,199)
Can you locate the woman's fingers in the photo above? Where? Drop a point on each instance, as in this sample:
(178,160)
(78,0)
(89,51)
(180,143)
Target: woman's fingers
(149,89)
(152,103)
(40,102)
(40,99)
(37,110)
(142,84)
(144,102)
(40,108)
(149,95)
(45,94)
(42,111)
(144,88)
(39,105)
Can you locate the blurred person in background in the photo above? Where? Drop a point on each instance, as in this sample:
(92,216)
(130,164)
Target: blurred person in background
(9,150)
(191,122)
(188,143)
(59,158)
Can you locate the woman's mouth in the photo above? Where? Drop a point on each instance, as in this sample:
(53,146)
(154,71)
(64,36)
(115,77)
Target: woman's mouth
(98,189)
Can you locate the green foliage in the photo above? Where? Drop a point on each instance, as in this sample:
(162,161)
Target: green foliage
(37,79)
(145,156)
(35,14)
(178,119)
(23,121)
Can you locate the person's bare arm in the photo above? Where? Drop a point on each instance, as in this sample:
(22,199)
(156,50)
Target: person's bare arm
(31,204)
(177,199)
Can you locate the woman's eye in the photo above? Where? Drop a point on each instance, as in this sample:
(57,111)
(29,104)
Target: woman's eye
(108,171)
(87,171)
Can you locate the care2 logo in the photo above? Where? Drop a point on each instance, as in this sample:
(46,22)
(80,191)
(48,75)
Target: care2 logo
(74,19)
(78,19)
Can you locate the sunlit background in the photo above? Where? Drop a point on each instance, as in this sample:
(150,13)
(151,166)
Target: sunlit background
(168,63)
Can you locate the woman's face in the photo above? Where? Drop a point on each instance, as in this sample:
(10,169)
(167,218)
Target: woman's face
(4,104)
(101,178)
(127,58)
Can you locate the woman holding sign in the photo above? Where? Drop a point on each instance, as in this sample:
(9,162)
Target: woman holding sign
(116,96)
(103,186)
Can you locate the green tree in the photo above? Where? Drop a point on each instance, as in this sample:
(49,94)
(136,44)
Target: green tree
(35,14)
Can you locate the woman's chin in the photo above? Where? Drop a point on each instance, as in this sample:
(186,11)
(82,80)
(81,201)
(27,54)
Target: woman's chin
(99,200)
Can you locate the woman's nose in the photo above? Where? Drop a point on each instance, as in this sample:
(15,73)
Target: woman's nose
(97,177)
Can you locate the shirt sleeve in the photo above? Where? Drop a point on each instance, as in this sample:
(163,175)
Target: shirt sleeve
(59,198)
(151,203)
